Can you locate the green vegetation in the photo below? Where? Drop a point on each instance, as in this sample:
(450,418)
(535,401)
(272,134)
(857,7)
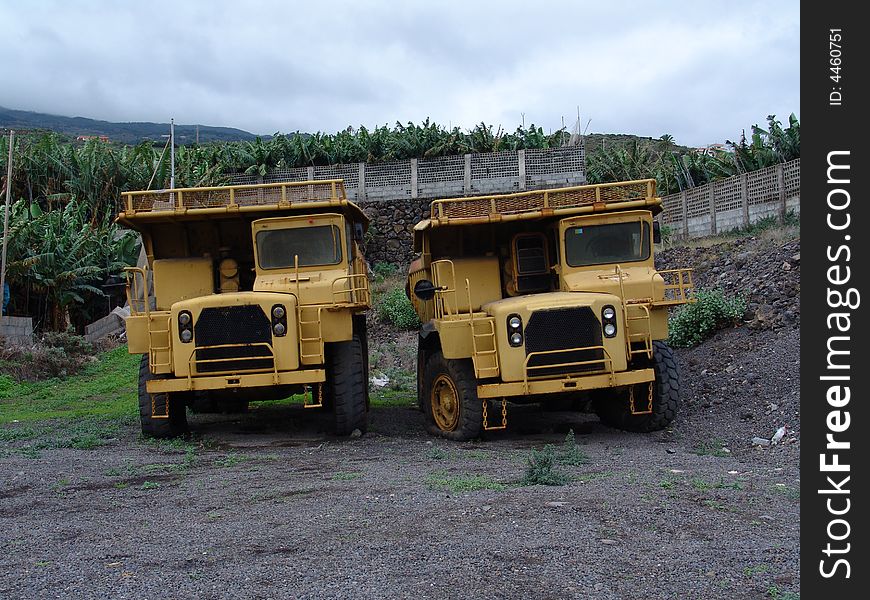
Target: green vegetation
(346,476)
(463,483)
(384,270)
(570,453)
(691,324)
(540,468)
(676,170)
(105,389)
(394,307)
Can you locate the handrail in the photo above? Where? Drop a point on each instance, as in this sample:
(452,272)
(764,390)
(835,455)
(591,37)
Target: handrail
(606,361)
(192,360)
(683,288)
(132,289)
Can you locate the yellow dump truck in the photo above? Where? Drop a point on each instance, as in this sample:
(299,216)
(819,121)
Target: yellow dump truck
(545,296)
(250,292)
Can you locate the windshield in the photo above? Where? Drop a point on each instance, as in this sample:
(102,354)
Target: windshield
(320,245)
(607,244)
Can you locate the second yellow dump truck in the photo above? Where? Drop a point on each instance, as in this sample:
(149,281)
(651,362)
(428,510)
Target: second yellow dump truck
(250,292)
(543,296)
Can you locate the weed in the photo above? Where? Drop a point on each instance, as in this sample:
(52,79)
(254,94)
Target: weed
(570,453)
(384,270)
(346,476)
(756,570)
(230,460)
(715,504)
(792,493)
(668,483)
(540,468)
(121,485)
(150,485)
(774,593)
(12,434)
(463,483)
(436,453)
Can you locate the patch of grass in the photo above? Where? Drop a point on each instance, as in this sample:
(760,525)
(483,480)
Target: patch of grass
(703,485)
(16,433)
(714,504)
(774,593)
(436,453)
(756,570)
(149,485)
(122,485)
(463,483)
(714,447)
(540,468)
(230,460)
(790,492)
(384,270)
(668,483)
(386,397)
(105,389)
(346,476)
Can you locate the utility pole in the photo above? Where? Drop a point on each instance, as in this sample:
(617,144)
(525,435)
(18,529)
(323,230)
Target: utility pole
(6,224)
(172,161)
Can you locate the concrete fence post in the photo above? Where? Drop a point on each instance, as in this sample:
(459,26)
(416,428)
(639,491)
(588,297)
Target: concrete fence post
(684,202)
(744,198)
(780,188)
(361,184)
(712,195)
(413,178)
(467,179)
(521,165)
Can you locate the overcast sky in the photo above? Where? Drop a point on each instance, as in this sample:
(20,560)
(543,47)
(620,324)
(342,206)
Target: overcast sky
(701,71)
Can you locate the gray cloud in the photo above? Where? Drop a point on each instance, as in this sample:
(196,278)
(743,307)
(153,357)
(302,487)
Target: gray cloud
(698,71)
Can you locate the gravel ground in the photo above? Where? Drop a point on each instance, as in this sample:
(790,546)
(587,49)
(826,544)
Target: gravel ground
(265,505)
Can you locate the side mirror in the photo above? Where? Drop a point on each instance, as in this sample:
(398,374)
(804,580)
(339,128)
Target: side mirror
(657,232)
(425,289)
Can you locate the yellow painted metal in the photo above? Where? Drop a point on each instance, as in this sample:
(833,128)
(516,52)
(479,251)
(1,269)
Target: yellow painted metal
(444,401)
(564,384)
(236,381)
(177,279)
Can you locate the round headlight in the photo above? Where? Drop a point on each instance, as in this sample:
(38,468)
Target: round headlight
(279,329)
(186,335)
(184,318)
(515,323)
(516,339)
(609,313)
(278,312)
(610,330)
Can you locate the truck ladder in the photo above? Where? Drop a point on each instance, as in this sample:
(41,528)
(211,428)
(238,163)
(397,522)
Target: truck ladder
(310,334)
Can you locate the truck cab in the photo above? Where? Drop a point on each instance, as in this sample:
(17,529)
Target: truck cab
(248,293)
(541,296)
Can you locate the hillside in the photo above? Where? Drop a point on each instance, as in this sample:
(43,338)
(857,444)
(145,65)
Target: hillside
(127,133)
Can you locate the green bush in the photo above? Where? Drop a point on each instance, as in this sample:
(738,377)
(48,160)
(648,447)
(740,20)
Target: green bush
(691,324)
(394,307)
(383,270)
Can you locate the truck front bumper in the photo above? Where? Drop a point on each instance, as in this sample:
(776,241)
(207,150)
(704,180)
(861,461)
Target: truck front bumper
(564,384)
(224,382)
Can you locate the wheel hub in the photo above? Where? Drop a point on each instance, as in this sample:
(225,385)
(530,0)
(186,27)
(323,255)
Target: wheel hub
(445,403)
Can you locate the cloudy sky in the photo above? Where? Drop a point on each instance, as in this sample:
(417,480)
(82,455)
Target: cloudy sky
(701,71)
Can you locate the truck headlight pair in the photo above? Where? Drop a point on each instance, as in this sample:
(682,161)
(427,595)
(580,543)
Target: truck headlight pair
(279,320)
(608,320)
(185,326)
(515,330)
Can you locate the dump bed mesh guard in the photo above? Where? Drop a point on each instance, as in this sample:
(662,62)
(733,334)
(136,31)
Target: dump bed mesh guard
(523,205)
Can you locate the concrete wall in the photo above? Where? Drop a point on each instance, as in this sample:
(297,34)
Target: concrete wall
(16,331)
(734,202)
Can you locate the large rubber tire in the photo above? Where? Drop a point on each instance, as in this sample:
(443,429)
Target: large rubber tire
(616,412)
(464,419)
(175,425)
(346,384)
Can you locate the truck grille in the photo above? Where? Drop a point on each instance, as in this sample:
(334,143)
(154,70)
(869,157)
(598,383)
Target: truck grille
(561,329)
(220,325)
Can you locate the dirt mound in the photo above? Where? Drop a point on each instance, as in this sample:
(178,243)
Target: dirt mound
(765,269)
